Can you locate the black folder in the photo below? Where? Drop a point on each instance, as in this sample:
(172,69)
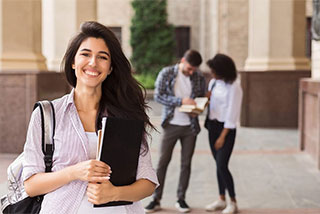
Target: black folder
(120,149)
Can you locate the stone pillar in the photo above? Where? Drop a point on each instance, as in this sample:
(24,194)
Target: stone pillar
(20,35)
(277,36)
(23,73)
(315,59)
(208,32)
(61,20)
(309,104)
(276,61)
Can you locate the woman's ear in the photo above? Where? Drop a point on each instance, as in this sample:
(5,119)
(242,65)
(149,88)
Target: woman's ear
(73,66)
(110,70)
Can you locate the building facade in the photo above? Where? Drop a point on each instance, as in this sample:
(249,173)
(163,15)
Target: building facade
(268,40)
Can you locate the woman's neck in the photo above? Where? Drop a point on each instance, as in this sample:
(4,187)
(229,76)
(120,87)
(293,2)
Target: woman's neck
(86,99)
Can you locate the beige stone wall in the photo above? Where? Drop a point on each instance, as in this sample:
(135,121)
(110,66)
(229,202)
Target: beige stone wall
(180,13)
(233,30)
(115,13)
(186,13)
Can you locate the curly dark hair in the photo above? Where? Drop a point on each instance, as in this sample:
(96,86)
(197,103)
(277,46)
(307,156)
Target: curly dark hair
(122,96)
(223,67)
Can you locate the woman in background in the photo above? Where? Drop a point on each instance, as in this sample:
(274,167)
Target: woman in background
(225,102)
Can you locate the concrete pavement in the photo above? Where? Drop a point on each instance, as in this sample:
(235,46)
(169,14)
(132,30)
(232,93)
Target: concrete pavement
(271,175)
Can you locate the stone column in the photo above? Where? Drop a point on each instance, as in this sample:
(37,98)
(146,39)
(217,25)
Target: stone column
(61,20)
(24,78)
(277,36)
(276,61)
(20,35)
(208,30)
(315,59)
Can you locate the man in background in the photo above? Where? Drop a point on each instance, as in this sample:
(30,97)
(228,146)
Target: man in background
(178,85)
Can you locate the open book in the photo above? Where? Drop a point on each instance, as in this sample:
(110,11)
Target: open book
(119,143)
(201,104)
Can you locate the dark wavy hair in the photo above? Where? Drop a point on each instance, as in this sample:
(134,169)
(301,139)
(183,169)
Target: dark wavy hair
(122,96)
(193,57)
(224,67)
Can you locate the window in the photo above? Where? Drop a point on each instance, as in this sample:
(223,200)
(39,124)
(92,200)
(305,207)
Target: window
(182,35)
(117,32)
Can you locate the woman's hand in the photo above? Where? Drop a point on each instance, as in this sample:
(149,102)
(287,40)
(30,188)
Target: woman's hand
(91,171)
(100,193)
(221,139)
(219,143)
(208,94)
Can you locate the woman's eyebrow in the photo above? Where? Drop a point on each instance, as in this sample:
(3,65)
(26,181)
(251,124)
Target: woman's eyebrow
(103,52)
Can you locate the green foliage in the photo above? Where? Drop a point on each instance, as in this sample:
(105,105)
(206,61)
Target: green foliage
(152,38)
(147,80)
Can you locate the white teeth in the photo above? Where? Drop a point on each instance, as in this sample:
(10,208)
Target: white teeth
(91,73)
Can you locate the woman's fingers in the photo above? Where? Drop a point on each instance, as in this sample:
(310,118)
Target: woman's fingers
(99,179)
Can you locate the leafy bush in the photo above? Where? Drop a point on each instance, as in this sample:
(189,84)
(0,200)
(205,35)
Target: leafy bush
(147,80)
(152,38)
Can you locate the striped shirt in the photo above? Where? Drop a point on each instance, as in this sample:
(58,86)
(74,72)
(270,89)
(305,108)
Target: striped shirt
(164,94)
(71,147)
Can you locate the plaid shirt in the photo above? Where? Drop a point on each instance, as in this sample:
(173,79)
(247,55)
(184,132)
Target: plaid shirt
(164,94)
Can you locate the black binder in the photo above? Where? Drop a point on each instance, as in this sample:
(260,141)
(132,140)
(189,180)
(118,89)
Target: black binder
(120,149)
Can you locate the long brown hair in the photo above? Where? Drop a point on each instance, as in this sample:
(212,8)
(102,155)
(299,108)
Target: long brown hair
(122,96)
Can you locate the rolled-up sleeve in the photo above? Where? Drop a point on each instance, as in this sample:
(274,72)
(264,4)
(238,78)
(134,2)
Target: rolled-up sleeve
(145,169)
(33,155)
(234,106)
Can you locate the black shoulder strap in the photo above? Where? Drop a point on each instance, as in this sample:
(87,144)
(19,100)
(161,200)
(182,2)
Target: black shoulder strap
(48,130)
(214,84)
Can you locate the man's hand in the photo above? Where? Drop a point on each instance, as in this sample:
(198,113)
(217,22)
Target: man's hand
(192,114)
(188,101)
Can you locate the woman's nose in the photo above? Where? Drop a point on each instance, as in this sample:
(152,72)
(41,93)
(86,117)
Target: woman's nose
(92,61)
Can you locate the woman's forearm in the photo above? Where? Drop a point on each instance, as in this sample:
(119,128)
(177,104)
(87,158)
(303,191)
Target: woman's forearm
(42,183)
(136,191)
(224,133)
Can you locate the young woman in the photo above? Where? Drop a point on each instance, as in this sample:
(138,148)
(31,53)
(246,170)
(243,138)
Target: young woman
(225,102)
(103,85)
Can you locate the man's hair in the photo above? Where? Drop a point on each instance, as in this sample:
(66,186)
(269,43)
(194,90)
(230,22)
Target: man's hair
(224,67)
(193,57)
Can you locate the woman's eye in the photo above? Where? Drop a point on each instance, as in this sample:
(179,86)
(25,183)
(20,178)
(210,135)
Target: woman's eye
(84,54)
(103,57)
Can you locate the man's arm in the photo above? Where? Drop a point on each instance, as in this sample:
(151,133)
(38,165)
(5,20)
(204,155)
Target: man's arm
(161,94)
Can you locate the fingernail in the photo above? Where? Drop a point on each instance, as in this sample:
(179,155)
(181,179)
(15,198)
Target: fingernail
(108,177)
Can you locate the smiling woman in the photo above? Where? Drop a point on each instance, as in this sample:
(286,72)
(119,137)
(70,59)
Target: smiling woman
(103,84)
(92,64)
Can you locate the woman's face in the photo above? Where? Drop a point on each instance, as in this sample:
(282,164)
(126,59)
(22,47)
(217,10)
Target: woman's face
(92,63)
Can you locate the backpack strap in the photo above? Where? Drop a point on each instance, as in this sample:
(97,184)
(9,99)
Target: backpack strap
(48,130)
(208,110)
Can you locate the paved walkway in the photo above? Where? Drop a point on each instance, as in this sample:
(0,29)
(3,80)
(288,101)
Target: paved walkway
(271,175)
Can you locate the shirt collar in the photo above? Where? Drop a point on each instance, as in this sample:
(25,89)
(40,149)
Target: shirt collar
(70,99)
